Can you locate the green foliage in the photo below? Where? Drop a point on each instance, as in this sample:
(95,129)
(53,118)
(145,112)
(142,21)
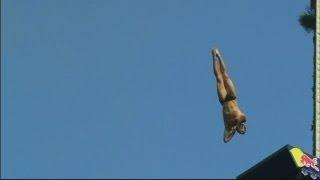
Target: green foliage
(308,20)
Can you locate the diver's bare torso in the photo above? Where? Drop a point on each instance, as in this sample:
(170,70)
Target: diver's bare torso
(230,107)
(231,113)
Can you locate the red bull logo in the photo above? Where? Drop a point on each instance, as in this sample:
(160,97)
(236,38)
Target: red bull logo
(308,162)
(309,165)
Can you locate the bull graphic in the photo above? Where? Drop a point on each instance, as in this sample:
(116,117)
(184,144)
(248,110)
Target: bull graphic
(308,162)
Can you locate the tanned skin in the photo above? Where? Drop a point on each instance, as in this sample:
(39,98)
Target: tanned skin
(233,118)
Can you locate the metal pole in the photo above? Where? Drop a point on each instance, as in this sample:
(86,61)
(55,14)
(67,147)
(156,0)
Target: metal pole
(317,56)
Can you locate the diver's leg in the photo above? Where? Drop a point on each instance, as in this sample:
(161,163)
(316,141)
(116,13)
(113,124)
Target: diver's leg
(217,55)
(222,92)
(231,91)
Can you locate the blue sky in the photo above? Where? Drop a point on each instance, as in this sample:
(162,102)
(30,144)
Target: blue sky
(125,89)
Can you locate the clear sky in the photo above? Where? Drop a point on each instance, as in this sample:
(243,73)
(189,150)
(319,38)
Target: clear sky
(125,89)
